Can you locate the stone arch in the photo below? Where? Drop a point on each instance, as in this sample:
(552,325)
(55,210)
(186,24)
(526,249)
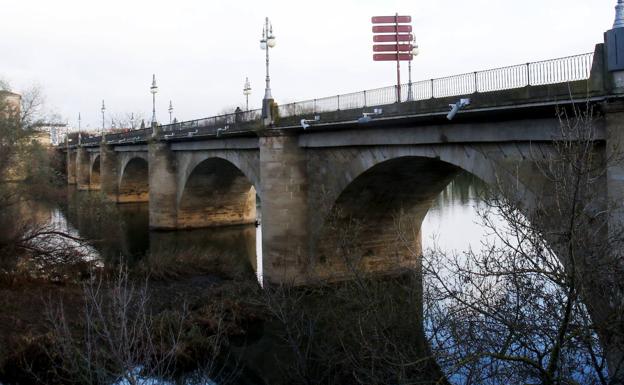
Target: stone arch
(134,180)
(215,192)
(94,173)
(246,161)
(369,192)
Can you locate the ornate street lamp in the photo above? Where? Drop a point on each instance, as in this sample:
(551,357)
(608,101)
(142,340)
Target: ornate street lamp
(267,42)
(247,92)
(154,91)
(414,53)
(170,111)
(103,110)
(79,129)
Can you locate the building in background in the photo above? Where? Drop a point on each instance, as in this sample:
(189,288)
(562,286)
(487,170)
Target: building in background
(50,134)
(10,103)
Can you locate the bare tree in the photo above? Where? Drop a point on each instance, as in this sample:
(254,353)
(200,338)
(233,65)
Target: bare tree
(42,245)
(127,120)
(525,308)
(121,340)
(32,110)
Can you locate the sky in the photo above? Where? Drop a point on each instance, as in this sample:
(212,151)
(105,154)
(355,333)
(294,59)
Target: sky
(81,52)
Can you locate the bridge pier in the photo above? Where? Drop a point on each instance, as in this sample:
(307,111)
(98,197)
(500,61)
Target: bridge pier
(83,168)
(94,172)
(163,213)
(109,172)
(71,167)
(285,210)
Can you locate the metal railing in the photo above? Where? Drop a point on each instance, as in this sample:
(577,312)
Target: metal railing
(214,124)
(562,70)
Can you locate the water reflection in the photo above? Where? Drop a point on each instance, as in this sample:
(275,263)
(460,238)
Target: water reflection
(122,231)
(453,223)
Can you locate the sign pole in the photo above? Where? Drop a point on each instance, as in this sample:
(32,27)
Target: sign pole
(396,23)
(394,30)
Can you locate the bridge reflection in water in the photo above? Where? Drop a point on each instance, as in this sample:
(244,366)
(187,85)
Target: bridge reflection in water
(121,231)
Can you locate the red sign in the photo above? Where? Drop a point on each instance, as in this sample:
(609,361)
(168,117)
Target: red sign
(392,47)
(391,56)
(392,38)
(391,19)
(391,28)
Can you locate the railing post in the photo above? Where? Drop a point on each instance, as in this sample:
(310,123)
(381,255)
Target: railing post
(432,96)
(476,83)
(338,96)
(528,73)
(364,98)
(314,106)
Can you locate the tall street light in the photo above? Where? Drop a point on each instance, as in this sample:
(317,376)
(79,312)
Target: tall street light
(414,53)
(79,128)
(103,110)
(247,92)
(170,111)
(267,42)
(154,91)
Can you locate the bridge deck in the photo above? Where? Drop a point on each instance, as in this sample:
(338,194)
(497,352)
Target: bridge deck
(550,82)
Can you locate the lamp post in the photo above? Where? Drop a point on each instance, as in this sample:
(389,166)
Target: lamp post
(154,91)
(247,92)
(67,138)
(267,42)
(79,129)
(103,110)
(170,111)
(415,52)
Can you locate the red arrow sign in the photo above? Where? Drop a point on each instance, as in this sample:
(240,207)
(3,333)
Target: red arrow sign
(392,47)
(391,56)
(391,28)
(391,19)
(392,38)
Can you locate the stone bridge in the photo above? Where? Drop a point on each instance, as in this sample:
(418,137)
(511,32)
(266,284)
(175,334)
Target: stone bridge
(346,186)
(343,182)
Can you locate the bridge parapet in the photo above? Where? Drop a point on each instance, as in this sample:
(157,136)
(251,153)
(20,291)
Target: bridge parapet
(242,122)
(555,79)
(562,70)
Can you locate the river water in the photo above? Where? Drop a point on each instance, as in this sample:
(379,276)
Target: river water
(121,230)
